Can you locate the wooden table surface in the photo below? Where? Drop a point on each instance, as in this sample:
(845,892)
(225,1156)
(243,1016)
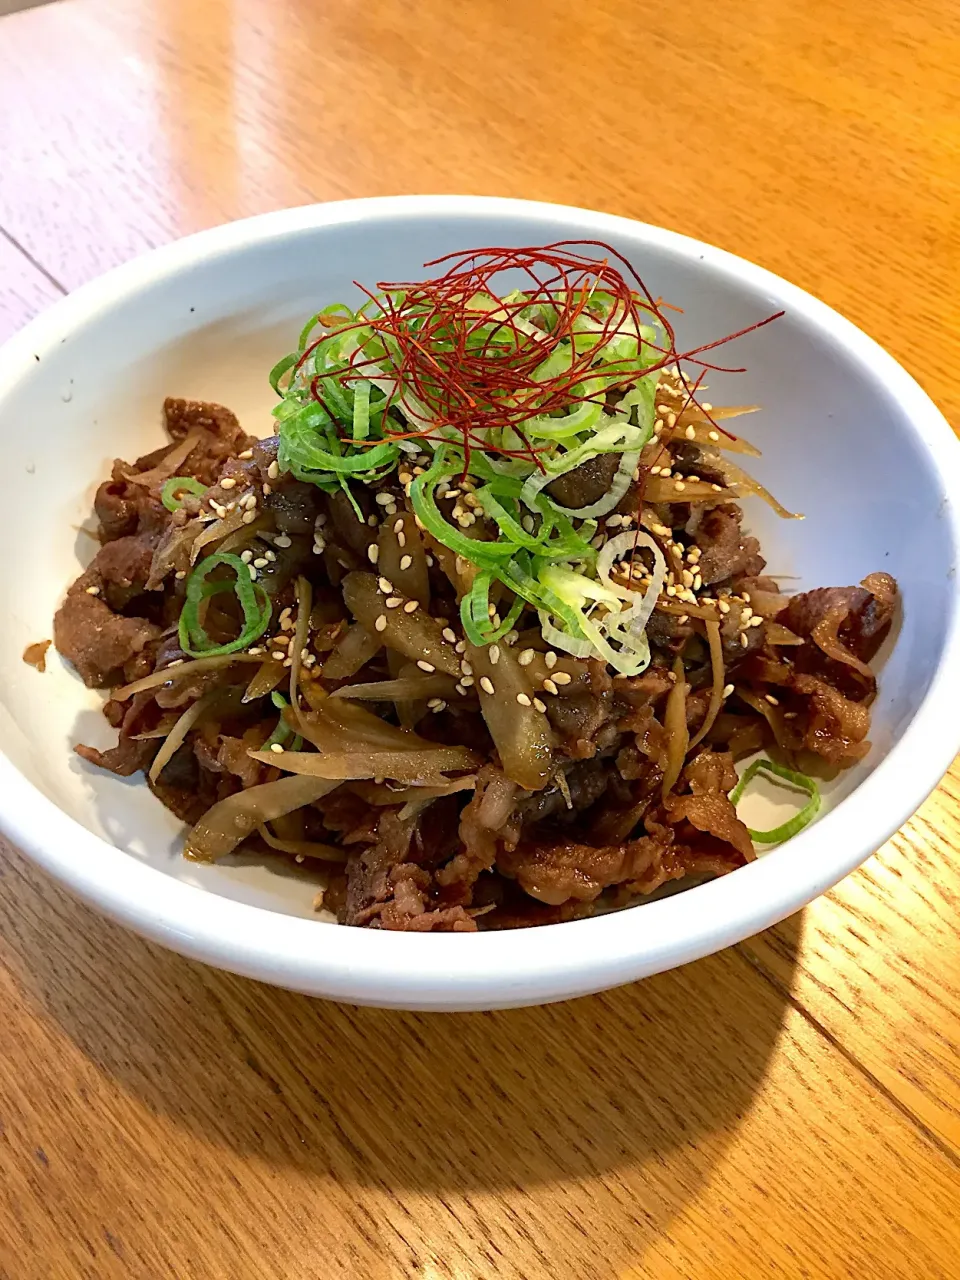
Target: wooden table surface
(790,1107)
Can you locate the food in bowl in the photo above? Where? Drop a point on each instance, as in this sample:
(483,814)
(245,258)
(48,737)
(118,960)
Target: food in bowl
(478,631)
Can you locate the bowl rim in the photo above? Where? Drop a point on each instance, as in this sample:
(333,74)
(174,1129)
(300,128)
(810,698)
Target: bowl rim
(488,970)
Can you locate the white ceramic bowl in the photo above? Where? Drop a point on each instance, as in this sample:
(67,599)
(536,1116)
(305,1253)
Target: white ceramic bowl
(848,437)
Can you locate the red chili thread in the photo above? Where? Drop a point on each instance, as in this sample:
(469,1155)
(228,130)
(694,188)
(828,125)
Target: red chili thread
(429,327)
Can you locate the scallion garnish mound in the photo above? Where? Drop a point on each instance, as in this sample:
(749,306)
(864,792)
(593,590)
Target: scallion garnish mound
(511,370)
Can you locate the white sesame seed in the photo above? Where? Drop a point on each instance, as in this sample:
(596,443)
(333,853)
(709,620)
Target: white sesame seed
(541,706)
(406,562)
(384,499)
(562,677)
(248,517)
(278,655)
(276,748)
(246,556)
(550,658)
(494,654)
(663,410)
(385,585)
(743,639)
(727,690)
(461,690)
(93,591)
(319,546)
(684,617)
(706,406)
(525,657)
(660,530)
(679,486)
(373,553)
(486,684)
(460,646)
(466,681)
(426,666)
(466,668)
(717,488)
(261,562)
(549,685)
(411,606)
(690,433)
(614,521)
(394,602)
(401,539)
(745,597)
(655,471)
(774,702)
(273,471)
(228,483)
(713,435)
(381,623)
(282,541)
(450,634)
(723,606)
(687,577)
(180,575)
(528,523)
(246,455)
(756,622)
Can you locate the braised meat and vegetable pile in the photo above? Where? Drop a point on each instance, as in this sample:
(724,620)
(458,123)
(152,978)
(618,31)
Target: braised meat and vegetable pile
(478,632)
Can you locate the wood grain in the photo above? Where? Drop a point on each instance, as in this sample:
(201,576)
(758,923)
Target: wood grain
(180,1122)
(790,132)
(790,1108)
(878,964)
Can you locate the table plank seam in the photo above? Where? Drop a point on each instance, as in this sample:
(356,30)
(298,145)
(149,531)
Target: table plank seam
(34,262)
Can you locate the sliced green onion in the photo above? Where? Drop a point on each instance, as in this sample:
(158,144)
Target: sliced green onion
(799,780)
(475,612)
(254,602)
(171,495)
(280,368)
(283,731)
(361,411)
(484,554)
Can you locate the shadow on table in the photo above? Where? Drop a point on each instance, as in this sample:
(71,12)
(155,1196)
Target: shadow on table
(433,1103)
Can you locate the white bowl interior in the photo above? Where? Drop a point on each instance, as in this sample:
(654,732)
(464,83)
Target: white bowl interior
(836,444)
